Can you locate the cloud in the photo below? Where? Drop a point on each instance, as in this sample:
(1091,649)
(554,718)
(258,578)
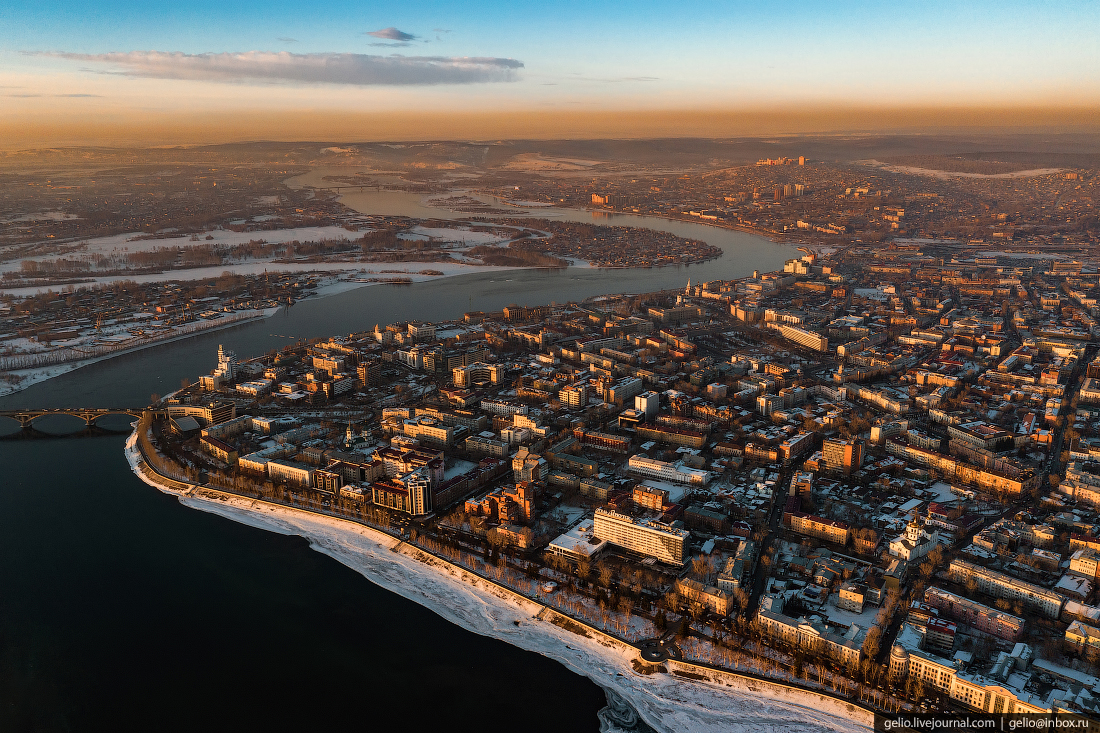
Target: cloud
(392,34)
(286,39)
(310,68)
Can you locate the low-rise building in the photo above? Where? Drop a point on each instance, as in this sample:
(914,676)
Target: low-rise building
(915,543)
(810,636)
(291,472)
(675,472)
(825,529)
(1082,635)
(579,543)
(851,597)
(711,598)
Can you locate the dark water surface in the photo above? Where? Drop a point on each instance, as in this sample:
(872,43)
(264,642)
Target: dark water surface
(120,609)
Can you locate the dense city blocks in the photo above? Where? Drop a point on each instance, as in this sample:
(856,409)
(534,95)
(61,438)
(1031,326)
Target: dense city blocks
(877,461)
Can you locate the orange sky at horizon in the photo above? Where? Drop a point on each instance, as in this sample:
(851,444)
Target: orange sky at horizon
(339,125)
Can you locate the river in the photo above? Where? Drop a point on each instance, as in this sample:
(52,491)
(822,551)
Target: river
(119,608)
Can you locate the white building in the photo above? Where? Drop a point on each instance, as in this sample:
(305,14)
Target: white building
(675,472)
(645,536)
(802,337)
(579,543)
(812,636)
(428,429)
(290,472)
(477,373)
(227,365)
(999,692)
(649,403)
(915,543)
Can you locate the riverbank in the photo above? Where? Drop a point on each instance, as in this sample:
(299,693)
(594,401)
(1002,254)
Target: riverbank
(37,375)
(341,279)
(724,702)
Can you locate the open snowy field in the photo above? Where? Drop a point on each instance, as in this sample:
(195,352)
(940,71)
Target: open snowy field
(665,702)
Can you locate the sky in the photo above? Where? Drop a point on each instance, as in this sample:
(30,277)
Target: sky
(245,70)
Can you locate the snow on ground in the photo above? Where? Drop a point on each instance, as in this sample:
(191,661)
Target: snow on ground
(31,377)
(572,514)
(665,702)
(42,216)
(1031,173)
(1020,255)
(529,204)
(943,492)
(460,467)
(465,236)
(842,616)
(124,243)
(675,491)
(350,269)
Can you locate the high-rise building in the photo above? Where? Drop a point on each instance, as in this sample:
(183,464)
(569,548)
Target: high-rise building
(623,390)
(227,364)
(842,455)
(649,403)
(574,396)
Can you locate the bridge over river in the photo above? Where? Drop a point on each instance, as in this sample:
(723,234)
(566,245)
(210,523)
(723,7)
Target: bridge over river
(26,416)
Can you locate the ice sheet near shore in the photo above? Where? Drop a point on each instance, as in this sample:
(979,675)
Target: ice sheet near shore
(662,701)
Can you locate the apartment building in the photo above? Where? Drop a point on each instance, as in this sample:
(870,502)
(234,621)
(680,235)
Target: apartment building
(842,455)
(999,585)
(825,529)
(979,616)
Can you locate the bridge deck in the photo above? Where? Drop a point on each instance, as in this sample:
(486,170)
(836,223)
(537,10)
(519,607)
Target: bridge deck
(89,415)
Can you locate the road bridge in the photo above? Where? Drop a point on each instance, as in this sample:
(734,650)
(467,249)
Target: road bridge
(89,415)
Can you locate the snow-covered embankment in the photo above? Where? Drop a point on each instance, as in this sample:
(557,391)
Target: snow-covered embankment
(663,701)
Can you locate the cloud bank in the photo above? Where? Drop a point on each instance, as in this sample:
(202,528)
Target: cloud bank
(310,68)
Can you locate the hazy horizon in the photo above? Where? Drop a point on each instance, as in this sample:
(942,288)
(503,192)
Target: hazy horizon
(273,126)
(206,72)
